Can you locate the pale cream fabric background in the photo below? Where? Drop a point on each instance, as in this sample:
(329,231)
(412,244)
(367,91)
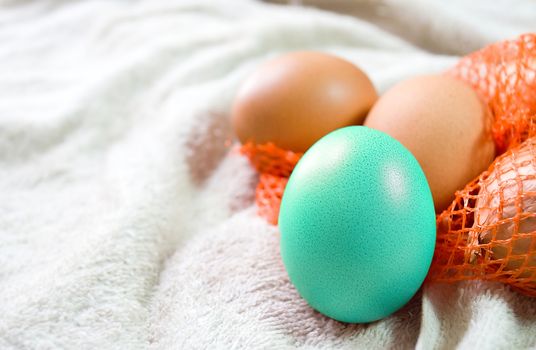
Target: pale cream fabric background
(126,220)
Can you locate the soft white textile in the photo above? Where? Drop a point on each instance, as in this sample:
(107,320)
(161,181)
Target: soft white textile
(127,220)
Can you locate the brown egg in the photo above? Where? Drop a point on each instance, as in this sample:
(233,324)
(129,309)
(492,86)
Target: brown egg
(444,124)
(505,209)
(299,97)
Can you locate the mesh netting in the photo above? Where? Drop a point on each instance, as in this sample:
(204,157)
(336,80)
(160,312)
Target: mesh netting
(504,74)
(274,165)
(489,230)
(268,196)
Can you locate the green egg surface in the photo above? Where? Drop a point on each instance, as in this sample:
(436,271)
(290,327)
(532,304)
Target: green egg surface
(357,224)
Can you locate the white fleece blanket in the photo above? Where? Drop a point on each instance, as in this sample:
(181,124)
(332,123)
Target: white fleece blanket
(126,218)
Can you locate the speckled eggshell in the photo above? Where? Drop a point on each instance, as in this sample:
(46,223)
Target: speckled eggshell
(357,225)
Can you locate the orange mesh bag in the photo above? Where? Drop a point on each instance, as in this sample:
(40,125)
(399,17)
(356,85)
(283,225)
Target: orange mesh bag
(489,230)
(504,74)
(274,165)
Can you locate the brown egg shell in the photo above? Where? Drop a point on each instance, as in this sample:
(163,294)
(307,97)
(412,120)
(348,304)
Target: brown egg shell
(294,100)
(505,212)
(446,126)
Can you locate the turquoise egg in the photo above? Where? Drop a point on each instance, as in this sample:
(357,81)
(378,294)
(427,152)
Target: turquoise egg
(357,225)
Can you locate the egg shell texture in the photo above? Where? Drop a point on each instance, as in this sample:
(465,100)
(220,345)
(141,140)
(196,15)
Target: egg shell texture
(446,126)
(357,225)
(295,99)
